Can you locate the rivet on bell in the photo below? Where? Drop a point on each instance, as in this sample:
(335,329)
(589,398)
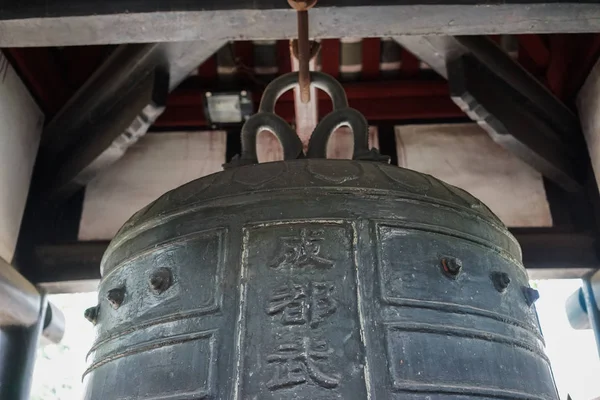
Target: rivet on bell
(161,280)
(115,297)
(501,280)
(531,295)
(91,314)
(451,266)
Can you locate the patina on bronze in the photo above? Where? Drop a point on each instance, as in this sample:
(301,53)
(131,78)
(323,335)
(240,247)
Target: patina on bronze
(316,279)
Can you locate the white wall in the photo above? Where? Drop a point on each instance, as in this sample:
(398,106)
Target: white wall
(156,164)
(21,123)
(465,156)
(460,154)
(588,104)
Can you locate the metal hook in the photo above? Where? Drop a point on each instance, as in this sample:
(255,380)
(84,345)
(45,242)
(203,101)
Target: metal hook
(325,82)
(266,119)
(317,147)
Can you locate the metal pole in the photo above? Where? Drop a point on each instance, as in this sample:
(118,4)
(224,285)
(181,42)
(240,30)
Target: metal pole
(301,47)
(592,310)
(19,299)
(20,305)
(18,346)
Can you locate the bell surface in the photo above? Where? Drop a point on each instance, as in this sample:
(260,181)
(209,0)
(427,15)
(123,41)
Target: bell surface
(316,279)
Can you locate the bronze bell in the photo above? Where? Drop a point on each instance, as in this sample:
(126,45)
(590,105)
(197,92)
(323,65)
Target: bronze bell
(315,279)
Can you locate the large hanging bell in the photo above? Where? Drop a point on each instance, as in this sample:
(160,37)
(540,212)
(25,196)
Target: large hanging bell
(315,279)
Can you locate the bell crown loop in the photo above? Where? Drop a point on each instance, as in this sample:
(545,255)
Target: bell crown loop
(342,115)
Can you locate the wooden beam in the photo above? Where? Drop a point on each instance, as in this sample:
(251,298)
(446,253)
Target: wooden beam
(103,144)
(549,253)
(208,70)
(378,101)
(78,63)
(330,57)
(41,73)
(76,22)
(509,71)
(410,64)
(244,55)
(283,57)
(535,48)
(96,125)
(511,121)
(371,58)
(560,58)
(438,51)
(435,51)
(54,75)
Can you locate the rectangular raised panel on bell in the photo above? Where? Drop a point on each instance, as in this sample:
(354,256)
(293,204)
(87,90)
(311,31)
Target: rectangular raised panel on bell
(196,262)
(303,339)
(409,255)
(190,372)
(425,358)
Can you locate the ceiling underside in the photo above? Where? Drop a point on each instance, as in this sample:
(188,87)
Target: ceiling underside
(386,83)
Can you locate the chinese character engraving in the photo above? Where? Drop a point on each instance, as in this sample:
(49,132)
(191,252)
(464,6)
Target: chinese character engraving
(299,361)
(302,252)
(323,304)
(300,304)
(290,302)
(300,311)
(302,359)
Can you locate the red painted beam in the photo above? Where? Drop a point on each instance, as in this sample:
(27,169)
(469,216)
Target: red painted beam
(354,91)
(397,100)
(330,57)
(244,54)
(192,114)
(406,108)
(54,75)
(410,64)
(41,73)
(389,110)
(394,89)
(284,62)
(533,47)
(560,56)
(80,62)
(208,69)
(378,101)
(371,57)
